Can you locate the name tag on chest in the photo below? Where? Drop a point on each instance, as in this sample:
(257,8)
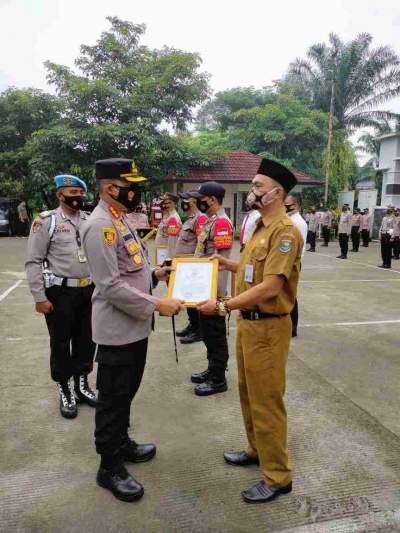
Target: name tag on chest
(249,273)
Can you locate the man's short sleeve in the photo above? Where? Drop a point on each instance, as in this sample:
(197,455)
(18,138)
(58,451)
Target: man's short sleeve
(174,227)
(286,246)
(223,235)
(201,219)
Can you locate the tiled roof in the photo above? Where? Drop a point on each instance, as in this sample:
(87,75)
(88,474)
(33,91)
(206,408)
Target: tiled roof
(239,167)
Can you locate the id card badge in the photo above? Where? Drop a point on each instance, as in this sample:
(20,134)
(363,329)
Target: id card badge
(81,255)
(249,273)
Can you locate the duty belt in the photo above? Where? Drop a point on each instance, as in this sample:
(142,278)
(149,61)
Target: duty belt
(72,282)
(255,315)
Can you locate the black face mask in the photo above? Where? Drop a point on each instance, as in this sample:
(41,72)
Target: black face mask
(129,197)
(74,202)
(185,206)
(290,208)
(203,206)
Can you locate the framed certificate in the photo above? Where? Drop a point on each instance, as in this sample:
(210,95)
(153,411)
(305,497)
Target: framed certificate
(161,255)
(193,280)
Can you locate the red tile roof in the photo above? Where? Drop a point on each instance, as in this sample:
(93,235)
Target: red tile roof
(239,167)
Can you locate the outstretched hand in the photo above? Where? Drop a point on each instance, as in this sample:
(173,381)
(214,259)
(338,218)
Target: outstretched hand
(207,307)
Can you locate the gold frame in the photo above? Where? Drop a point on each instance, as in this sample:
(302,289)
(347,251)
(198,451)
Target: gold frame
(214,281)
(156,263)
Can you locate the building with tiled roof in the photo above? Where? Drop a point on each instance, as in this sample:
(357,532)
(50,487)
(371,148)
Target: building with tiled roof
(236,173)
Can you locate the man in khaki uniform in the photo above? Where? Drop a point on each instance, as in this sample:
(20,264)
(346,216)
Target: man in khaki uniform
(170,225)
(59,280)
(266,285)
(123,309)
(186,245)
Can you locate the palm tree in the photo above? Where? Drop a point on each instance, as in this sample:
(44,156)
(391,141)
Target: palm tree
(353,76)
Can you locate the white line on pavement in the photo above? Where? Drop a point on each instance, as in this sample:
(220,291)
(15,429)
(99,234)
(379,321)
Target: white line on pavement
(367,323)
(10,289)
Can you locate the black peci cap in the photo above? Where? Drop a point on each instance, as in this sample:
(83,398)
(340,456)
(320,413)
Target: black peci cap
(209,188)
(116,168)
(278,172)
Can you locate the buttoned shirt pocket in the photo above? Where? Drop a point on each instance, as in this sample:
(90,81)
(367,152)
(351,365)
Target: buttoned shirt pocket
(134,268)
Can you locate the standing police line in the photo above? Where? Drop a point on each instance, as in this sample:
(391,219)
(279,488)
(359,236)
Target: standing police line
(91,278)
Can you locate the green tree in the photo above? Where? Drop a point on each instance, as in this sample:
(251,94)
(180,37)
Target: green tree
(363,78)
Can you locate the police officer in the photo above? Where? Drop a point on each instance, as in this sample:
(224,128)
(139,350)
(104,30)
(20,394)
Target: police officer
(216,237)
(123,309)
(355,230)
(266,284)
(186,245)
(365,227)
(326,222)
(386,234)
(60,283)
(312,229)
(344,230)
(170,225)
(396,234)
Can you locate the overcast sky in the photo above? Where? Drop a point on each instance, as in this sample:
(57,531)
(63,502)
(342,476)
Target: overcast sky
(242,43)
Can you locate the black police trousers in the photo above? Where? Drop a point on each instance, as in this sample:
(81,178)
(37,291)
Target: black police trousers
(326,233)
(365,237)
(311,236)
(396,247)
(194,319)
(119,374)
(355,237)
(386,249)
(70,329)
(344,243)
(213,333)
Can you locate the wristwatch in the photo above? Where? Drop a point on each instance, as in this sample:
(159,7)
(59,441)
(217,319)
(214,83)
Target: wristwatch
(221,308)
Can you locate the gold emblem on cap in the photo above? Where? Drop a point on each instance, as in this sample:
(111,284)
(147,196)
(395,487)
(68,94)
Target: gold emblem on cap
(68,181)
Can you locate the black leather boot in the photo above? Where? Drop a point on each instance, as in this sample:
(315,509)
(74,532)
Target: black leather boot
(137,453)
(83,391)
(200,377)
(213,385)
(193,336)
(119,481)
(185,331)
(68,408)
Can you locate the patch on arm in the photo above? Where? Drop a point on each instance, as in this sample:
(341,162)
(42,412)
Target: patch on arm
(110,236)
(173,227)
(223,237)
(285,246)
(37,223)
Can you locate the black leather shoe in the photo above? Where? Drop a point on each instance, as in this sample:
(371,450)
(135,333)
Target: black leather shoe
(240,459)
(68,407)
(384,266)
(120,483)
(294,332)
(185,331)
(311,250)
(200,377)
(193,336)
(261,492)
(341,257)
(211,386)
(83,392)
(138,453)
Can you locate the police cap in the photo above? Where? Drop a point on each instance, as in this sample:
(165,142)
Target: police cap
(209,188)
(117,168)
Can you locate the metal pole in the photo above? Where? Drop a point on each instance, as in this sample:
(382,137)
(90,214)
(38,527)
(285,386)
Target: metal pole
(329,145)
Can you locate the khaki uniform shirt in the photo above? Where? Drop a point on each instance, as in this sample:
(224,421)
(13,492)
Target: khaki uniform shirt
(274,249)
(216,237)
(168,232)
(122,304)
(61,250)
(312,222)
(345,223)
(191,229)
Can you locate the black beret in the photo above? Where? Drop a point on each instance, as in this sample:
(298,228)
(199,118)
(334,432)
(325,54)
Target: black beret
(279,173)
(209,188)
(116,168)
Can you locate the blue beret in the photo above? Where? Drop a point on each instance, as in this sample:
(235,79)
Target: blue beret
(66,180)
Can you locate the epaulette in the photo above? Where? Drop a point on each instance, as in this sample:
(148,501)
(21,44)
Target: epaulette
(46,214)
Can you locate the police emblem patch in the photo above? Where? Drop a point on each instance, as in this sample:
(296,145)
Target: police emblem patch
(68,181)
(109,235)
(285,246)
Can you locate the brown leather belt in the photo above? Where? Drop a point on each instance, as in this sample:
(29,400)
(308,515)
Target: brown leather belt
(255,315)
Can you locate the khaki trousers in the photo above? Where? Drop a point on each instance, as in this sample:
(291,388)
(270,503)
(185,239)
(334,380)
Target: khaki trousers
(262,350)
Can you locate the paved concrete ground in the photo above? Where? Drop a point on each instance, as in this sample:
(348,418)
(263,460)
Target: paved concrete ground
(343,403)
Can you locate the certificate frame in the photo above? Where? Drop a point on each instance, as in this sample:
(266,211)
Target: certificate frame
(160,254)
(190,260)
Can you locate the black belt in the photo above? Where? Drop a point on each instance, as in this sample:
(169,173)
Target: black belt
(255,315)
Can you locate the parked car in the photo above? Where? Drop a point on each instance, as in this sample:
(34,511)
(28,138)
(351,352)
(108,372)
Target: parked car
(5,224)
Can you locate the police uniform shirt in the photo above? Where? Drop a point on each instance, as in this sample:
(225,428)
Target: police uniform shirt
(274,249)
(168,232)
(344,223)
(248,225)
(216,236)
(61,250)
(366,221)
(326,218)
(191,229)
(356,220)
(299,221)
(312,223)
(122,304)
(387,224)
